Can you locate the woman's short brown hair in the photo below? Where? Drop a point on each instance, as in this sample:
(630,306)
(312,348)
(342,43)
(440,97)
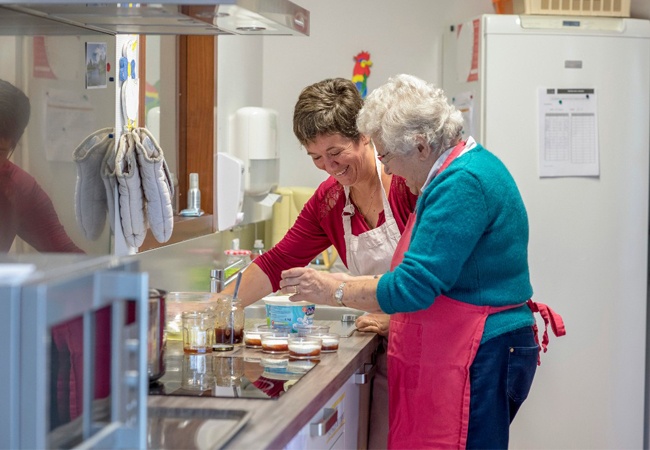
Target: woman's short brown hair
(328,107)
(14,112)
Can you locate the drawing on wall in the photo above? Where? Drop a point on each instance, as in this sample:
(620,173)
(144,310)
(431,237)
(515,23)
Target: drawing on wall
(361,72)
(95,65)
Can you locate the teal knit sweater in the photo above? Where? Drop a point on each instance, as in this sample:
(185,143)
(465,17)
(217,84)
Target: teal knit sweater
(469,242)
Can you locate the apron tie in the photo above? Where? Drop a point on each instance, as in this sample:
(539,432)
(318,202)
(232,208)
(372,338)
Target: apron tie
(549,316)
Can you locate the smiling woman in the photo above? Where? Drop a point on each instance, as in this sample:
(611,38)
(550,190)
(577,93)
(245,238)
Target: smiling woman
(359,209)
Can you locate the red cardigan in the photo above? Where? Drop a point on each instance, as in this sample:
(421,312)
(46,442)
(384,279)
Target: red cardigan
(319,226)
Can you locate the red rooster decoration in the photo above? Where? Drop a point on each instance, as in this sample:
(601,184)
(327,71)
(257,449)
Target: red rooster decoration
(361,72)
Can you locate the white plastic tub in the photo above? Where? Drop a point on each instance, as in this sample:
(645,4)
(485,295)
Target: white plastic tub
(281,311)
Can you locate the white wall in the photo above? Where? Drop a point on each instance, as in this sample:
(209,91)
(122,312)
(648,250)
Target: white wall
(239,81)
(402,37)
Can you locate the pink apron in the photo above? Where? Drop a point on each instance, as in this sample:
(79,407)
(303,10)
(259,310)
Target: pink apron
(429,356)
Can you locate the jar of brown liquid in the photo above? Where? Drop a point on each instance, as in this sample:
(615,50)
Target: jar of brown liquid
(229,321)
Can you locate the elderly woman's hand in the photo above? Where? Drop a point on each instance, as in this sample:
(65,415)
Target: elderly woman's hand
(309,285)
(374,323)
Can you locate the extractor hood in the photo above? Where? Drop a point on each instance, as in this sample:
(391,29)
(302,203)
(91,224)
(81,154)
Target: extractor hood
(250,17)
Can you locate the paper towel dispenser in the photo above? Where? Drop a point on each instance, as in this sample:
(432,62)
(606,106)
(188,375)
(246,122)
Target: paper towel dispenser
(252,144)
(230,191)
(255,143)
(250,17)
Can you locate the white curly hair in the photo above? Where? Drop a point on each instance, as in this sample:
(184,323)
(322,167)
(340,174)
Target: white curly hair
(406,107)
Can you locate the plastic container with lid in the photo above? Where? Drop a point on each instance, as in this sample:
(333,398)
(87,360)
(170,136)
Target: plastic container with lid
(236,259)
(237,256)
(281,311)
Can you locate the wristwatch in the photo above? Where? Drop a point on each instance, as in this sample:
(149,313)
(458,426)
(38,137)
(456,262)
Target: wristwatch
(338,295)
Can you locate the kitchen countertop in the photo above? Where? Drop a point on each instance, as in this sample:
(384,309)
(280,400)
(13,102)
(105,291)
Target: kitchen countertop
(273,423)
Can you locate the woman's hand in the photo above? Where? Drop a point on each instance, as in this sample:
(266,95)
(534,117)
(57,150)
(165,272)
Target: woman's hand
(305,284)
(374,323)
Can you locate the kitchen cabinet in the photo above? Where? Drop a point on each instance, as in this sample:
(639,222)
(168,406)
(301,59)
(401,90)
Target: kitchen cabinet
(342,423)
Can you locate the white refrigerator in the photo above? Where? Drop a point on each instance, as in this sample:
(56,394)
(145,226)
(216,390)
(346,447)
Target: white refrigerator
(564,102)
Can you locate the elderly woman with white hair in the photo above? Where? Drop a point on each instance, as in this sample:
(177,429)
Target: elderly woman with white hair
(463,347)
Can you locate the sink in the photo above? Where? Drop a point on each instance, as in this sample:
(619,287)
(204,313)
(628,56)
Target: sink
(201,429)
(334,313)
(258,311)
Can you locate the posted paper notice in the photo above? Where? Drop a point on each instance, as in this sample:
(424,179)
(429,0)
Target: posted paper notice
(568,133)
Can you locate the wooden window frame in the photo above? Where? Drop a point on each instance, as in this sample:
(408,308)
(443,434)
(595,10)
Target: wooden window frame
(196,116)
(196,102)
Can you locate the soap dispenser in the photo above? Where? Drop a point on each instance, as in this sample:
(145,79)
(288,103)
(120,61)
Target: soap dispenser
(193,198)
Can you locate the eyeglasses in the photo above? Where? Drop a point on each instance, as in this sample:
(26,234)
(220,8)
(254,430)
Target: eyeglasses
(385,157)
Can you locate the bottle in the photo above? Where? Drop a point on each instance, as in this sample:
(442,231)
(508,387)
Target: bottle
(194,194)
(258,248)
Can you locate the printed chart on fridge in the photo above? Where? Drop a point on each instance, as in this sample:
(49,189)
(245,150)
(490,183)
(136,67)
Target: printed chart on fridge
(568,133)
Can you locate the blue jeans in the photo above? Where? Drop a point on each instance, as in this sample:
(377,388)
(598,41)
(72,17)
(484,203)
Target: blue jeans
(500,376)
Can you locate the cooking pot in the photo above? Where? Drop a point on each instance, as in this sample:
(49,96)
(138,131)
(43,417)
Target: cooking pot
(156,339)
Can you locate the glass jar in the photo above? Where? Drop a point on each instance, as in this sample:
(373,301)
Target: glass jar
(198,331)
(228,321)
(177,303)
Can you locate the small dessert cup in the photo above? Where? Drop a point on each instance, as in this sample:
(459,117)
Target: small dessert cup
(274,342)
(304,347)
(252,338)
(330,341)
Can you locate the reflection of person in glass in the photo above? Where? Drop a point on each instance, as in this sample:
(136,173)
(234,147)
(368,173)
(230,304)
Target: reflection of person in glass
(26,210)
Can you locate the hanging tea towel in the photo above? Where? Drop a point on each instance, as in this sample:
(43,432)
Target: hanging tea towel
(90,195)
(131,198)
(157,184)
(110,182)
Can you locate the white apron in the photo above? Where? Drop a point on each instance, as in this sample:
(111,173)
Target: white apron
(370,253)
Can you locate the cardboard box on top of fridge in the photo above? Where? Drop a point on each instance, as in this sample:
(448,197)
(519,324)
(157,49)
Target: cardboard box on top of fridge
(607,8)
